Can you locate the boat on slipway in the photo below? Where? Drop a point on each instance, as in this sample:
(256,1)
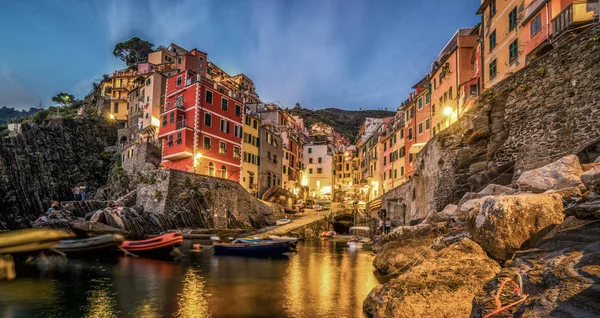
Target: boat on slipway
(252,247)
(160,246)
(101,243)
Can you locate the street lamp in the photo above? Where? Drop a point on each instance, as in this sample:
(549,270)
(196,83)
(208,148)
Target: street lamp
(111,116)
(448,111)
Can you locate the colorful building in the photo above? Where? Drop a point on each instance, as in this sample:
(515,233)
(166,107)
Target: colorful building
(122,82)
(503,39)
(251,153)
(319,169)
(271,158)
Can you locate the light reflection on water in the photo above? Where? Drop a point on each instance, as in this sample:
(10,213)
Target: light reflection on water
(321,279)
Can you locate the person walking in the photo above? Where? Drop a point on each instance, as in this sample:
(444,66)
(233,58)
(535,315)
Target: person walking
(82,189)
(76,193)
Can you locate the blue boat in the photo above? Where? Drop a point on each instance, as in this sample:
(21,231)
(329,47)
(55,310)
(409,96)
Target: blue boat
(252,247)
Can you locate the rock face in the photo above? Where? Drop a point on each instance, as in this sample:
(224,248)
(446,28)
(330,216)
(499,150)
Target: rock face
(435,287)
(591,179)
(447,214)
(43,163)
(564,173)
(505,223)
(561,276)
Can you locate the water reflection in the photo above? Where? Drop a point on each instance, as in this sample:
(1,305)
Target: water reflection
(100,300)
(193,299)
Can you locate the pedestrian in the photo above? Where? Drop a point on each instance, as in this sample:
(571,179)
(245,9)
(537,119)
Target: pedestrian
(82,189)
(44,217)
(76,193)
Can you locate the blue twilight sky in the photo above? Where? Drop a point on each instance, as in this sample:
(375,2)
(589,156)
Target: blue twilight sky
(349,54)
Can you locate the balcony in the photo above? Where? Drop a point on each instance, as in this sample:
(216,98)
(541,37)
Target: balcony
(180,124)
(575,14)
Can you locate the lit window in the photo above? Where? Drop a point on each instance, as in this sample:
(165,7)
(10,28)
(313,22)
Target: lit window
(222,148)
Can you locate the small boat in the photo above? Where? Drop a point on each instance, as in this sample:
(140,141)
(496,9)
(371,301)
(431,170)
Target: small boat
(31,240)
(283,221)
(358,241)
(101,243)
(160,245)
(252,247)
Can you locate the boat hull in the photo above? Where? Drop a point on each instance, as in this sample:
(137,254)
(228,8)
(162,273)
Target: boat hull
(102,243)
(252,249)
(30,240)
(158,246)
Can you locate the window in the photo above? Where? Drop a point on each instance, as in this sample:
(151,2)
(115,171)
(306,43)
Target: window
(309,170)
(401,133)
(211,169)
(238,111)
(209,97)
(384,161)
(428,98)
(513,50)
(147,82)
(224,126)
(206,142)
(492,8)
(391,140)
(434,84)
(255,124)
(450,93)
(536,25)
(247,120)
(493,69)
(395,173)
(310,160)
(433,110)
(172,117)
(178,141)
(319,170)
(492,40)
(222,147)
(512,19)
(410,133)
(208,119)
(236,152)
(178,101)
(402,171)
(269,179)
(347,166)
(164,120)
(178,80)
(116,108)
(385,146)
(410,157)
(170,141)
(223,172)
(309,150)
(237,131)
(427,124)
(420,104)
(420,128)
(223,103)
(320,160)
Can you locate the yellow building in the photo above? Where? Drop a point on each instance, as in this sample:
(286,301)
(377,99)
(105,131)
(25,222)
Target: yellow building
(121,83)
(503,39)
(250,149)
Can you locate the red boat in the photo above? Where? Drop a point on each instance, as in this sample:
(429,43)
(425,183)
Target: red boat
(158,246)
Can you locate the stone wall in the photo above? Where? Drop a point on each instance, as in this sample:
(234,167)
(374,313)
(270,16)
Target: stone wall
(546,110)
(146,156)
(224,203)
(43,162)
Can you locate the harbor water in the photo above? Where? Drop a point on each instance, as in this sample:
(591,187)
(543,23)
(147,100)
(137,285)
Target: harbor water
(321,279)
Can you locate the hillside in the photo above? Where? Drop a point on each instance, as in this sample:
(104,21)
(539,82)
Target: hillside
(346,122)
(10,113)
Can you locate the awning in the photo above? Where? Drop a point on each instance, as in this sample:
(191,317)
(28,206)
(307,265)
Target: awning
(414,149)
(374,205)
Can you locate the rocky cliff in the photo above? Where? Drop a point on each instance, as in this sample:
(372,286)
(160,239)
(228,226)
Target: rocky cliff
(546,110)
(43,162)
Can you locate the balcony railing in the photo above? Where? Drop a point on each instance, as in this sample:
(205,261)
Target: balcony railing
(180,124)
(576,13)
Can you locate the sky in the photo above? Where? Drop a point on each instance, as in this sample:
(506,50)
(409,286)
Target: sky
(348,54)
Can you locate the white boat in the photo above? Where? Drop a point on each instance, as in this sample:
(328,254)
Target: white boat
(283,221)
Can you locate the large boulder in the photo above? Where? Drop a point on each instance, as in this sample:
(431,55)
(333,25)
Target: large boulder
(396,256)
(505,223)
(442,285)
(589,210)
(496,189)
(561,276)
(591,179)
(563,173)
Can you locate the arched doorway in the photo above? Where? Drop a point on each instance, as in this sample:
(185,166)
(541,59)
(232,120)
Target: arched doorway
(211,169)
(223,172)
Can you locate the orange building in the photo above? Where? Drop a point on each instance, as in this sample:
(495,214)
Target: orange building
(453,67)
(545,18)
(503,48)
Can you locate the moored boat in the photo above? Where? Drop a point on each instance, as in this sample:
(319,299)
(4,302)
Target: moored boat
(161,245)
(283,221)
(30,240)
(101,243)
(252,247)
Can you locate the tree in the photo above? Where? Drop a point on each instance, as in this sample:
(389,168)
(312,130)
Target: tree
(297,106)
(133,51)
(64,99)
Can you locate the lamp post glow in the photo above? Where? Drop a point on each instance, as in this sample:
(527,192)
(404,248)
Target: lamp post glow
(448,111)
(111,116)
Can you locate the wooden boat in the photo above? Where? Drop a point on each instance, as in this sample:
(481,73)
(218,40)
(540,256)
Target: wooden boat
(283,221)
(160,245)
(106,242)
(328,234)
(30,240)
(252,247)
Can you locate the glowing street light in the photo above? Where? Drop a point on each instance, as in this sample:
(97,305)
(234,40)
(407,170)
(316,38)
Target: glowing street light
(448,111)
(111,116)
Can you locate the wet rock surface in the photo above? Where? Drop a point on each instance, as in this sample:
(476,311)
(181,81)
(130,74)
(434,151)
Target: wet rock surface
(563,173)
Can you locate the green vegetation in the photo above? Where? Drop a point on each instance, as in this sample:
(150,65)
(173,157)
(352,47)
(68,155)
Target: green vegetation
(346,122)
(10,114)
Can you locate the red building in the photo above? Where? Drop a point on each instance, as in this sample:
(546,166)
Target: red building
(201,123)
